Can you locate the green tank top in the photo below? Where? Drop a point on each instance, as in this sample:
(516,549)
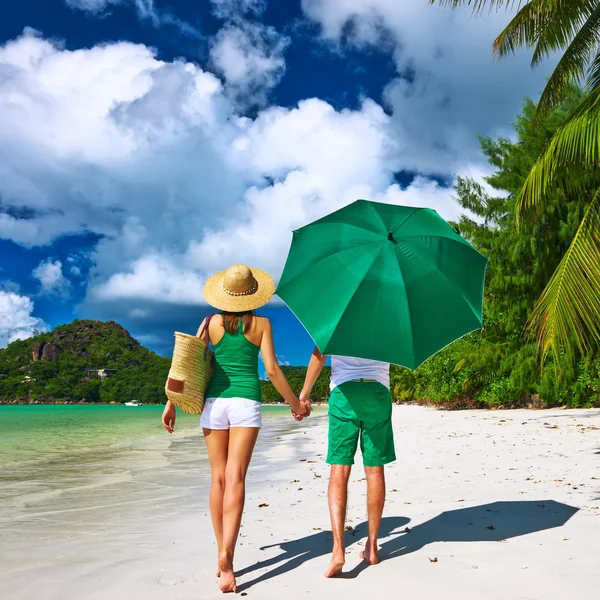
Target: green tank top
(236,368)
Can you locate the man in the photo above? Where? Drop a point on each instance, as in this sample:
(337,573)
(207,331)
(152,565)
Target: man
(360,405)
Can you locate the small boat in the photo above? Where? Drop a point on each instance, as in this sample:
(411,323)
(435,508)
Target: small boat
(133,403)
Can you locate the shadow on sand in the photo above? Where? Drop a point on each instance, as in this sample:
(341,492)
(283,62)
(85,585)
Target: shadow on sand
(485,523)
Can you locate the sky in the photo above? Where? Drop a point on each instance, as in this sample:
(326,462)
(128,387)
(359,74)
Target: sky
(145,144)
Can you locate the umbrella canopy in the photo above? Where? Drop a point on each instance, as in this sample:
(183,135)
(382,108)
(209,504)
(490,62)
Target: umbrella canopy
(384,282)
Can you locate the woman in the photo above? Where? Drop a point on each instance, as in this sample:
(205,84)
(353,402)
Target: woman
(231,418)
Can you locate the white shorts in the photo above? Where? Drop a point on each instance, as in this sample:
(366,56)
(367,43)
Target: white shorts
(223,413)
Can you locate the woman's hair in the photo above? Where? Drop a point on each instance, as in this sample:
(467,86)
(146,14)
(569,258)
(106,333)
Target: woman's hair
(232,320)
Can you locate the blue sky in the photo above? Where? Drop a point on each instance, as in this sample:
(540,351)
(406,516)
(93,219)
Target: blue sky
(146,144)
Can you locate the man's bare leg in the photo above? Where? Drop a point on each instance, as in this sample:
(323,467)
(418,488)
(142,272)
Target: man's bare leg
(375,501)
(338,499)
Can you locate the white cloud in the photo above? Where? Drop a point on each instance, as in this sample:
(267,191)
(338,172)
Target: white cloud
(154,157)
(92,5)
(153,276)
(250,58)
(226,9)
(146,11)
(9,286)
(53,282)
(94,139)
(282,360)
(449,89)
(16,320)
(145,8)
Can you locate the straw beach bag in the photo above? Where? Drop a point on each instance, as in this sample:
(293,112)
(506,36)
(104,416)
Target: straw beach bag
(191,370)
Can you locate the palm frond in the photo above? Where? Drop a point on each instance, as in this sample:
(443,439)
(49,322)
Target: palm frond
(552,25)
(593,76)
(561,22)
(528,26)
(573,149)
(480,5)
(567,314)
(573,64)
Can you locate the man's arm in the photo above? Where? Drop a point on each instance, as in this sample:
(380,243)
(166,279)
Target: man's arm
(315,366)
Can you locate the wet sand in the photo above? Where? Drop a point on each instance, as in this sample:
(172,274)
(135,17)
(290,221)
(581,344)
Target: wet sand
(481,504)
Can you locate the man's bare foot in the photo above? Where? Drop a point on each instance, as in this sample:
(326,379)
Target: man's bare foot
(335,566)
(370,554)
(226,577)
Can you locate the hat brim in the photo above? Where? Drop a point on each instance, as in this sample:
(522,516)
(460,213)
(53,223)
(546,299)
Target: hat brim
(216,296)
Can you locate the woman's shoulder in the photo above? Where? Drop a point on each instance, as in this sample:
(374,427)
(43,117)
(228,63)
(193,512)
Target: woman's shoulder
(261,322)
(215,319)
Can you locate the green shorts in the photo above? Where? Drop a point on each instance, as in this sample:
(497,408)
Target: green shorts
(360,408)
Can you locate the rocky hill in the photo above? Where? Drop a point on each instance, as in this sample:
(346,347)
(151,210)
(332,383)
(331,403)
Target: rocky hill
(85,361)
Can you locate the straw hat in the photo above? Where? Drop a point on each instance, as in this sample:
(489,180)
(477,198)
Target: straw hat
(239,289)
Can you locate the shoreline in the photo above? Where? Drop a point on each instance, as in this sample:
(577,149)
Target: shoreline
(93,403)
(450,406)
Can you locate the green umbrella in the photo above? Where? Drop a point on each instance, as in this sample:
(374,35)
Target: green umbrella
(385,282)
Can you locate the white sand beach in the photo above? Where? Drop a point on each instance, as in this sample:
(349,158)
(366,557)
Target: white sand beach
(481,505)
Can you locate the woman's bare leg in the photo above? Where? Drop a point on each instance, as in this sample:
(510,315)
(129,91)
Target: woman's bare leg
(241,445)
(217,444)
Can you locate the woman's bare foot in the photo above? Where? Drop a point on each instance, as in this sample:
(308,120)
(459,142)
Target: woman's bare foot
(226,577)
(370,554)
(336,565)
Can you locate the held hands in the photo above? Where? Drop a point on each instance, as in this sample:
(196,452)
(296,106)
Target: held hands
(304,408)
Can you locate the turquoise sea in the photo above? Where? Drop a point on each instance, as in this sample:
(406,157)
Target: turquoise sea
(68,471)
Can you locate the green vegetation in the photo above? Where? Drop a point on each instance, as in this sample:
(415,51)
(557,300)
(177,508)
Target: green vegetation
(54,366)
(501,365)
(566,316)
(295,377)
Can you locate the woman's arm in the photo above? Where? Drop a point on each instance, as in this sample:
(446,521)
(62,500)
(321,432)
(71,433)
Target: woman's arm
(274,372)
(315,366)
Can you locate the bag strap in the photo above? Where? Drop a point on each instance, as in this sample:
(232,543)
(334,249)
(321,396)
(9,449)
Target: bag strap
(204,331)
(205,335)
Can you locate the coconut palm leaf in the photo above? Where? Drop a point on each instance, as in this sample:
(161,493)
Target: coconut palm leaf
(561,22)
(568,311)
(480,5)
(549,25)
(567,314)
(593,79)
(573,150)
(578,55)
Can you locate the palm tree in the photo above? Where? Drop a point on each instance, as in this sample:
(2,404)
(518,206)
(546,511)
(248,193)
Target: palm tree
(566,317)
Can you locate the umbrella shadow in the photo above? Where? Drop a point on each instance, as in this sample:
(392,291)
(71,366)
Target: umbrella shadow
(492,522)
(484,523)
